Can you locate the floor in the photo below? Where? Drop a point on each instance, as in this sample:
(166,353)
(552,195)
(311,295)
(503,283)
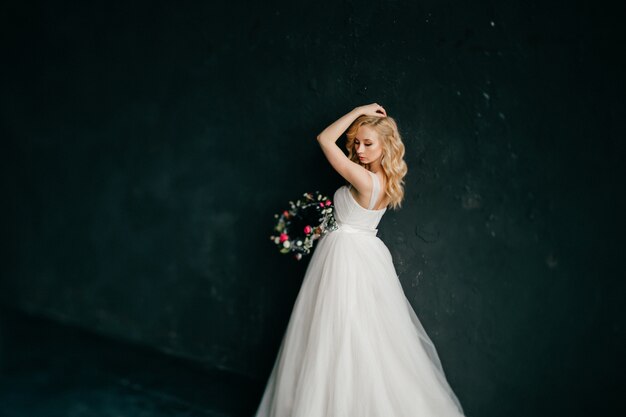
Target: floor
(47,369)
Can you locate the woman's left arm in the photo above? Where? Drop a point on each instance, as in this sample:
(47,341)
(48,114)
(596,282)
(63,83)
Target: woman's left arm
(352,172)
(330,135)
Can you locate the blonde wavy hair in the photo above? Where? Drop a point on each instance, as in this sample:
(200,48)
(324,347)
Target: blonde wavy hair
(393,165)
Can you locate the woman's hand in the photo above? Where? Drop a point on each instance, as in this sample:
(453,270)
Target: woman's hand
(332,132)
(373,109)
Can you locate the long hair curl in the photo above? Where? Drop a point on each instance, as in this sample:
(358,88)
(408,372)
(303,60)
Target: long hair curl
(393,165)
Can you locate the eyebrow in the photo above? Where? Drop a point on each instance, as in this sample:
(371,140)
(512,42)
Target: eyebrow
(363,139)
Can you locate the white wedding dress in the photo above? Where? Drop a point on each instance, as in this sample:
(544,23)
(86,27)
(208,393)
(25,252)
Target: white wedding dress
(354,346)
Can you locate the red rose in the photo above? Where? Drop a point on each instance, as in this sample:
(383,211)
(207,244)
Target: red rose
(283,237)
(307,229)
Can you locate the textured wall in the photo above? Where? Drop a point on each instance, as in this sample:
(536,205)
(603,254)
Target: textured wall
(148,145)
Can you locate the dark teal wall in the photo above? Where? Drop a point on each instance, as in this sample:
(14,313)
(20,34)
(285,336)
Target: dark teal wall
(148,145)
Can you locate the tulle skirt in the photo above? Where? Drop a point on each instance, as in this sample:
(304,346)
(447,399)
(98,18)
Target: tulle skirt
(354,346)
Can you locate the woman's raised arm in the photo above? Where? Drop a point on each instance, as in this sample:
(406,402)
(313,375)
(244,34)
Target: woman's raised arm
(352,172)
(336,129)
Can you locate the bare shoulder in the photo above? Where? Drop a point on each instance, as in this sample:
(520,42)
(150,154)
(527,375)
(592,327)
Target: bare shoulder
(363,195)
(360,179)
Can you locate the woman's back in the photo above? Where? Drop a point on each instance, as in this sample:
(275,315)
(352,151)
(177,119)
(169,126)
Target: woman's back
(348,211)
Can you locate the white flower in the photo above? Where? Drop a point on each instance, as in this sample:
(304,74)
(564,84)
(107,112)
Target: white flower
(286,244)
(277,240)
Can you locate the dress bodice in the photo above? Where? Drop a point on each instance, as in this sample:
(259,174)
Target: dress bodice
(350,213)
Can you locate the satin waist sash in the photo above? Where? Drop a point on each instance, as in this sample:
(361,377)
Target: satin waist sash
(354,229)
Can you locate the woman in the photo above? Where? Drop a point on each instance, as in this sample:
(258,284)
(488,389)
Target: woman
(354,346)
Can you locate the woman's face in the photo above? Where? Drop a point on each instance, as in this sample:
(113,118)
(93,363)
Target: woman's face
(367,145)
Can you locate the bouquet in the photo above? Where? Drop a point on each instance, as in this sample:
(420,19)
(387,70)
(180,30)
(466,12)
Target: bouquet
(305,221)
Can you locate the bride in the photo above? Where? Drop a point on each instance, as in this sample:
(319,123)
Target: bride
(354,346)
